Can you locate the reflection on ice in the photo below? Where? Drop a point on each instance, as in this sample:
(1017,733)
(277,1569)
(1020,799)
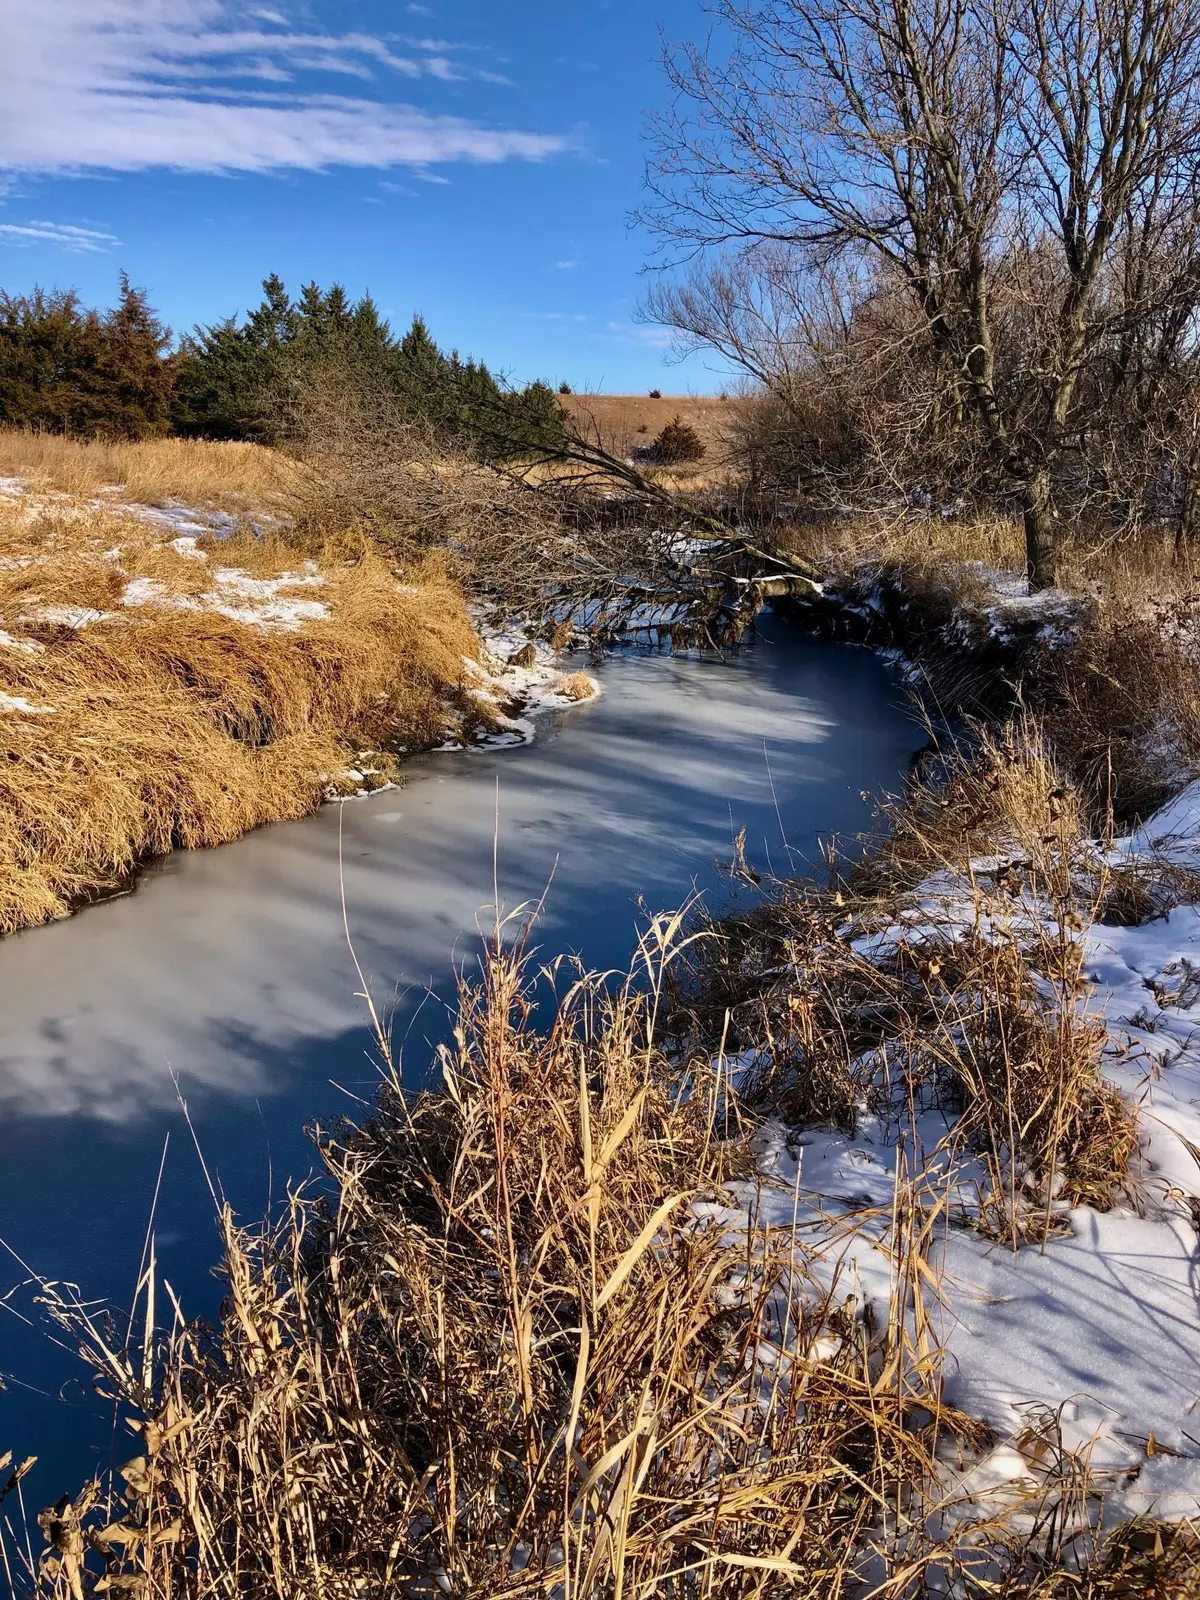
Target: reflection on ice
(229,967)
(220,955)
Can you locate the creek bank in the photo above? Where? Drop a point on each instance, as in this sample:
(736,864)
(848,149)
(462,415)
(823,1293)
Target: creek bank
(231,965)
(977,1051)
(972,640)
(172,680)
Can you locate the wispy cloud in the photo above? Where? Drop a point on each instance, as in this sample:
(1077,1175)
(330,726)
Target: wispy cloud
(558,316)
(636,334)
(122,85)
(442,67)
(86,241)
(565,266)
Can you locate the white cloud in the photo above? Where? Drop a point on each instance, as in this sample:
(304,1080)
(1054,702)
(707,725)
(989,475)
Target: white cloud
(122,85)
(81,240)
(647,337)
(557,316)
(565,266)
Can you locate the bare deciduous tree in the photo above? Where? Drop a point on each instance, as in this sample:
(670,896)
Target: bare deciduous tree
(1025,170)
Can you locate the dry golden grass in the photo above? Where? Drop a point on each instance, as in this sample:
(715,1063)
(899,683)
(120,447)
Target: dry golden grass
(1118,571)
(983,1008)
(230,477)
(518,1356)
(515,1360)
(577,686)
(171,724)
(626,422)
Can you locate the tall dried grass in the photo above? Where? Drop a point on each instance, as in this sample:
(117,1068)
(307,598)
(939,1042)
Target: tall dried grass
(944,970)
(1123,703)
(515,1355)
(197,472)
(173,725)
(523,1348)
(951,550)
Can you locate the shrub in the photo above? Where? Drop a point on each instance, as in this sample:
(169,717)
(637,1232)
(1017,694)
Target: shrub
(678,442)
(656,394)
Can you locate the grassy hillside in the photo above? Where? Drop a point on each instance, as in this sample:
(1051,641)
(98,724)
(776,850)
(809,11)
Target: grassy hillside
(174,676)
(627,422)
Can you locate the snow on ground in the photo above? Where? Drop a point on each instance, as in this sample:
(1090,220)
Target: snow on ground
(516,695)
(29,647)
(258,602)
(1094,1337)
(17,702)
(513,694)
(179,519)
(66,616)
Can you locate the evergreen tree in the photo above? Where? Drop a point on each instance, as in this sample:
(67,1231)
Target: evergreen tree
(238,381)
(134,380)
(70,370)
(49,346)
(273,324)
(232,376)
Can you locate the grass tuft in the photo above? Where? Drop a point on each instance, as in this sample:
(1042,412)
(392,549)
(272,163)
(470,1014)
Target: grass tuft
(208,707)
(518,1355)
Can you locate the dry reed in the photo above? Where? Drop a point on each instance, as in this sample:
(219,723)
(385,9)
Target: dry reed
(512,1357)
(128,730)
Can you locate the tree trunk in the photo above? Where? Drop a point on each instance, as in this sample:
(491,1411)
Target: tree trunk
(1041,541)
(1185,528)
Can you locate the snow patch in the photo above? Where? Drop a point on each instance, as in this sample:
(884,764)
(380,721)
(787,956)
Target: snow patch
(1094,1338)
(29,647)
(267,602)
(515,695)
(17,702)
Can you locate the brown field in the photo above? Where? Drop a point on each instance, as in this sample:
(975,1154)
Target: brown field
(627,422)
(198,472)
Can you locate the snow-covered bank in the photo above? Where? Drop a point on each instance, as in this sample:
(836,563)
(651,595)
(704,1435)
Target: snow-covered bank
(1075,1336)
(1091,1340)
(517,680)
(511,683)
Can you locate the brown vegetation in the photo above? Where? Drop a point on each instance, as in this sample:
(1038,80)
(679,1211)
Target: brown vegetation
(183,712)
(519,1354)
(626,423)
(994,1026)
(226,477)
(1004,313)
(527,1346)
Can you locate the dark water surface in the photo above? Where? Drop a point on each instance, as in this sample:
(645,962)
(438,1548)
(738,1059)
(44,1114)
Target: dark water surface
(229,968)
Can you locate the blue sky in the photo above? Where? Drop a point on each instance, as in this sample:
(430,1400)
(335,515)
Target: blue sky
(475,161)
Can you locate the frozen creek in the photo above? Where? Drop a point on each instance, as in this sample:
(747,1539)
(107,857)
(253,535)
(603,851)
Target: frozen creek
(228,972)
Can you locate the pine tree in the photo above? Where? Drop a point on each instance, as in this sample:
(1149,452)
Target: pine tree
(273,323)
(233,378)
(49,346)
(134,380)
(239,381)
(70,370)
